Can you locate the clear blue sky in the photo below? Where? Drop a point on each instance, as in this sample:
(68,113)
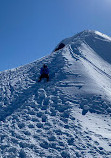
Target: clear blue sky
(30,29)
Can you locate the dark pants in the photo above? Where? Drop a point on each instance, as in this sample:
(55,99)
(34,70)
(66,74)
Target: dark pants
(44,76)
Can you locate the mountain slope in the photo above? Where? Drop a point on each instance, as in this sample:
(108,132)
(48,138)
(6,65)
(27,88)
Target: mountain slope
(67,117)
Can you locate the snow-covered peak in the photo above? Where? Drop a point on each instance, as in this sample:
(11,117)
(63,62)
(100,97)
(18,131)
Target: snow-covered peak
(87,34)
(67,117)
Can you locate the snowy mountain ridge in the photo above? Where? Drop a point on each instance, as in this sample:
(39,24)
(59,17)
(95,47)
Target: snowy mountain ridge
(67,117)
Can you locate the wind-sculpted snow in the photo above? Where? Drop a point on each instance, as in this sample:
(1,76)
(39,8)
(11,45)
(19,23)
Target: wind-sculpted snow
(67,117)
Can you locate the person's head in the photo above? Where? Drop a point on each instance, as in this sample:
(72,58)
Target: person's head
(44,66)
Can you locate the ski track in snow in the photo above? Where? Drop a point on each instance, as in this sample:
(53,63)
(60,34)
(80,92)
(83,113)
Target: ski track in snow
(69,116)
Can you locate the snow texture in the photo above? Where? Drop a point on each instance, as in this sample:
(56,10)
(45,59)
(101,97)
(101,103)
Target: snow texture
(67,117)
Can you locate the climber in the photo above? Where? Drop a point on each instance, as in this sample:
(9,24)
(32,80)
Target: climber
(44,73)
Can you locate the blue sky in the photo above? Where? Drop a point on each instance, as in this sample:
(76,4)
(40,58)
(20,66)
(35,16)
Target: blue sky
(30,29)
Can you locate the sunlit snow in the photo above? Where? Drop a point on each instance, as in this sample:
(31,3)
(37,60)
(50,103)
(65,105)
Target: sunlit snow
(67,117)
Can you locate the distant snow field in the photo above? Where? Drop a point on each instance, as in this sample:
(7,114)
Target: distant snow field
(67,117)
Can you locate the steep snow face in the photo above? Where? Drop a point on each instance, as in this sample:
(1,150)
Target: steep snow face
(99,42)
(67,117)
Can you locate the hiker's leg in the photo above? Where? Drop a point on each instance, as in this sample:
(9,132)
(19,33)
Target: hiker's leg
(41,76)
(47,76)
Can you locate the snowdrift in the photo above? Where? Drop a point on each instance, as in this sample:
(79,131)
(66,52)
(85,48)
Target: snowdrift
(70,115)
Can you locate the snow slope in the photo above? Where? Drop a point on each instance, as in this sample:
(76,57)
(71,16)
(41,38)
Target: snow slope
(67,117)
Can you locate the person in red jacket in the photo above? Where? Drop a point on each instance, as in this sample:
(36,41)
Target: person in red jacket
(44,73)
